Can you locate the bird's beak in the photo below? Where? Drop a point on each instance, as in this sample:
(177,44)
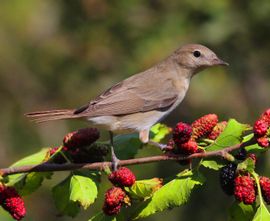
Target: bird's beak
(218,61)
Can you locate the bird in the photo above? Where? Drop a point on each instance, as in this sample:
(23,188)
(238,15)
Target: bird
(140,101)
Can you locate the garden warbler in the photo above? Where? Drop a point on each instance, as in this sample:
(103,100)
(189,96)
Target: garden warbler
(140,101)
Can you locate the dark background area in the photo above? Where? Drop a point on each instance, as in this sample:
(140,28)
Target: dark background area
(60,54)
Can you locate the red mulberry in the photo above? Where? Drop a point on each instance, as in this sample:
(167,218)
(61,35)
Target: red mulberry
(203,126)
(265,187)
(12,202)
(188,148)
(260,128)
(181,133)
(263,141)
(244,189)
(266,116)
(114,199)
(122,177)
(80,138)
(217,130)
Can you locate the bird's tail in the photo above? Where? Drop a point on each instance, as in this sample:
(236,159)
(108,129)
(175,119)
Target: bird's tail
(43,116)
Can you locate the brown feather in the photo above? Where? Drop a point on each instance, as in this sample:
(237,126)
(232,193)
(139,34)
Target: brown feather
(133,95)
(43,116)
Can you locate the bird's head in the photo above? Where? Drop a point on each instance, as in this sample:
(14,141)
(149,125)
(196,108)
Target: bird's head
(196,57)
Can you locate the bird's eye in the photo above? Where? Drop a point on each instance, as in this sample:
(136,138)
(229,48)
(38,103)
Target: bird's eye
(197,54)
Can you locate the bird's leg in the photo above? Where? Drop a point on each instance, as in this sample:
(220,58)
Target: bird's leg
(115,160)
(159,145)
(144,137)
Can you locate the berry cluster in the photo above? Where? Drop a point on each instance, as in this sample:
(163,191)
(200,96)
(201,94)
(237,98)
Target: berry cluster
(80,147)
(245,189)
(114,199)
(217,130)
(12,202)
(185,136)
(182,133)
(182,138)
(116,196)
(203,126)
(238,182)
(80,138)
(241,184)
(261,129)
(226,176)
(265,187)
(122,177)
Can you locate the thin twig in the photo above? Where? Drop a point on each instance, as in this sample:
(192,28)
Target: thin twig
(46,167)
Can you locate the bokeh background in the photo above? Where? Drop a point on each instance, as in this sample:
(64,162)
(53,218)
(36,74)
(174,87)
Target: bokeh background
(61,53)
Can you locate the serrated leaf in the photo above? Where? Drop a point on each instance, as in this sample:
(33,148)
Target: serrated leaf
(32,182)
(142,189)
(241,212)
(262,214)
(102,217)
(83,190)
(159,132)
(231,135)
(212,164)
(61,196)
(33,159)
(172,194)
(127,145)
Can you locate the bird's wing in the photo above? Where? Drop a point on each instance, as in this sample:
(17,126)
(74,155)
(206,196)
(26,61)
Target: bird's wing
(127,98)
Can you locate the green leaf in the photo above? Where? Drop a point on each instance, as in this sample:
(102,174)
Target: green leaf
(230,136)
(159,131)
(20,181)
(262,214)
(247,165)
(32,182)
(127,145)
(142,189)
(61,196)
(255,148)
(248,137)
(83,190)
(172,194)
(4,215)
(36,158)
(241,212)
(212,164)
(102,217)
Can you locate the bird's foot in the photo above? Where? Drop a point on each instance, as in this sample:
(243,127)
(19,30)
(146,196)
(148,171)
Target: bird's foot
(115,160)
(162,147)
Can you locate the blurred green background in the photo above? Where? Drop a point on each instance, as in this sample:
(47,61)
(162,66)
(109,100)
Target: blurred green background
(60,54)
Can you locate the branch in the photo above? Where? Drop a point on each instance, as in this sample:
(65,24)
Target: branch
(46,167)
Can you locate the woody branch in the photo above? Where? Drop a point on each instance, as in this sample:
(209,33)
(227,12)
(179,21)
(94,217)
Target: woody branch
(46,167)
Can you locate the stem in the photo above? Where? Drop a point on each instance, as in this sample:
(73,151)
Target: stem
(256,177)
(209,141)
(46,167)
(65,157)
